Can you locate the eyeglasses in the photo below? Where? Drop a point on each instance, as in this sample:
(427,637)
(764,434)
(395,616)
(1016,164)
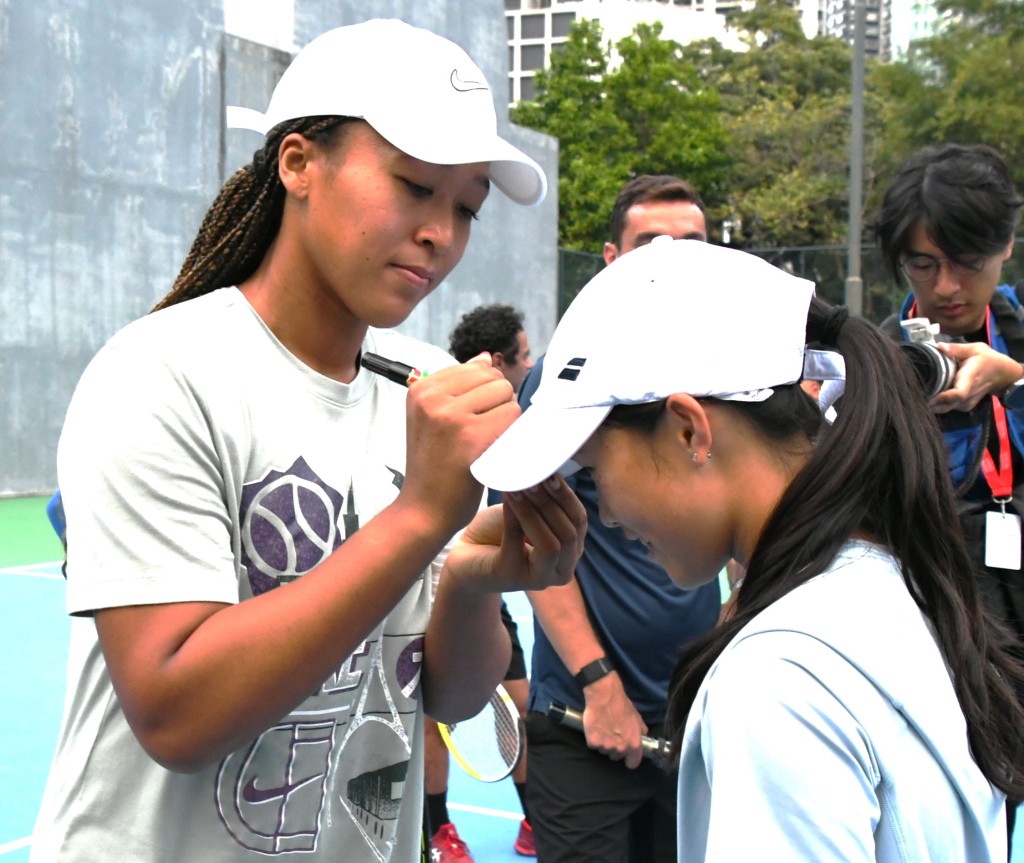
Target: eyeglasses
(922,269)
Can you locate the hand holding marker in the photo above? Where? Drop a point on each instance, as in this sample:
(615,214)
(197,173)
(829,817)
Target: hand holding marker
(393,370)
(489,745)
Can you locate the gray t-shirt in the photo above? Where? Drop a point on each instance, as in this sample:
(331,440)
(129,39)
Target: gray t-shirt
(201,461)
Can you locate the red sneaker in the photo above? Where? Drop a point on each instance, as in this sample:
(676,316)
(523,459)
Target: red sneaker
(447,846)
(524,841)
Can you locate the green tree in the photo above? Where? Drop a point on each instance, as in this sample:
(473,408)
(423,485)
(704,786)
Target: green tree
(651,113)
(764,132)
(674,118)
(786,104)
(978,63)
(960,85)
(570,104)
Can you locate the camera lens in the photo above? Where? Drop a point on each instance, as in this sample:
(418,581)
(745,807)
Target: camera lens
(933,368)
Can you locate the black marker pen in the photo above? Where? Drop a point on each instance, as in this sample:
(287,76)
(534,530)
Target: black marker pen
(393,370)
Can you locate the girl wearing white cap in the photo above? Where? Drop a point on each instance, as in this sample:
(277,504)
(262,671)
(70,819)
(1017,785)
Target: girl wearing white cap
(253,518)
(858,705)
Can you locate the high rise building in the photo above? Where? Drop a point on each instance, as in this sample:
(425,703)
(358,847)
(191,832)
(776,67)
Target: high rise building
(538,27)
(837,19)
(911,22)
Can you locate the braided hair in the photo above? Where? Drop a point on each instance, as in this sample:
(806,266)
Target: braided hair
(245,216)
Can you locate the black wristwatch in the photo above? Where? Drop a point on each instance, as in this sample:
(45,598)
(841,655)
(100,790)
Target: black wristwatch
(593,671)
(1013,398)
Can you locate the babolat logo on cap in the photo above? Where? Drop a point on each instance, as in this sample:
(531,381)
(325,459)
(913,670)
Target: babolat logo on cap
(465,85)
(572,369)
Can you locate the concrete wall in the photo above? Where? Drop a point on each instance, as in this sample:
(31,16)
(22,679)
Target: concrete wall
(112,120)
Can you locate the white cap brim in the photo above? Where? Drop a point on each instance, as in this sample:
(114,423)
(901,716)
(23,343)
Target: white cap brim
(539,444)
(511,170)
(517,175)
(238,117)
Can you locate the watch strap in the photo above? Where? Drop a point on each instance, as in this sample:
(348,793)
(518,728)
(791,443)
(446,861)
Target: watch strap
(1013,397)
(593,671)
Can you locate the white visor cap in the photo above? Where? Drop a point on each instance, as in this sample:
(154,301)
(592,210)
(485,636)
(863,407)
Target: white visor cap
(674,316)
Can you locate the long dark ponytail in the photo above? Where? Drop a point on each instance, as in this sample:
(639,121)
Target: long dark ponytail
(244,217)
(880,470)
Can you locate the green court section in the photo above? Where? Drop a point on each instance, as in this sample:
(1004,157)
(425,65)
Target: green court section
(25,532)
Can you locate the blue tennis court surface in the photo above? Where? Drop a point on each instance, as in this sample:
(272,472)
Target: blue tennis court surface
(34,640)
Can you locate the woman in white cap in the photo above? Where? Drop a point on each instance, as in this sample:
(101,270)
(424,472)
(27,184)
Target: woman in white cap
(253,518)
(858,705)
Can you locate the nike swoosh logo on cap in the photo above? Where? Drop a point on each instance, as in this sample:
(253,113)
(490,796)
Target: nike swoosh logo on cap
(465,86)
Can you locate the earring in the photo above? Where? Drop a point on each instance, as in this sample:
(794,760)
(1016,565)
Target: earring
(693,457)
(708,456)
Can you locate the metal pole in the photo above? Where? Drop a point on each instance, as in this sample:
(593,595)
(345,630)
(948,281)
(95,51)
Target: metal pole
(854,284)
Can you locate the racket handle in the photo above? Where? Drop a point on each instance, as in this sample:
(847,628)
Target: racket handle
(657,749)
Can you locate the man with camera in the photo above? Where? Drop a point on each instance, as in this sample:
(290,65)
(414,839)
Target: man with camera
(945,227)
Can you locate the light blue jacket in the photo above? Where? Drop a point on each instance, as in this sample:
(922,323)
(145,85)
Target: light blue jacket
(828,730)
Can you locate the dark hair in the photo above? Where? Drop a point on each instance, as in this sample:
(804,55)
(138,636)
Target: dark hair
(494,328)
(245,216)
(962,196)
(887,479)
(647,188)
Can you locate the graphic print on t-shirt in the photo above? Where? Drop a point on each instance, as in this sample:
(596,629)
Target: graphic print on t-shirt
(289,526)
(275,796)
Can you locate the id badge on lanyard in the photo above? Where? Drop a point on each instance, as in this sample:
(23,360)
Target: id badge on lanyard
(1002,529)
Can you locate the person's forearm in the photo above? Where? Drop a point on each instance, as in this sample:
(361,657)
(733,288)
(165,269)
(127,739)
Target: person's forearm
(562,615)
(611,722)
(466,652)
(197,681)
(532,542)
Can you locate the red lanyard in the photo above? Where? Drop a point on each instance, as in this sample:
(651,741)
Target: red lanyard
(1001,480)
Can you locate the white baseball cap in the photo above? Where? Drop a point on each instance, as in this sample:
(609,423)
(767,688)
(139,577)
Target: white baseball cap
(673,316)
(418,90)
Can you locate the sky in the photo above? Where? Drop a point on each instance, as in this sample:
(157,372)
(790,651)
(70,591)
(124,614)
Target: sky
(269,22)
(272,22)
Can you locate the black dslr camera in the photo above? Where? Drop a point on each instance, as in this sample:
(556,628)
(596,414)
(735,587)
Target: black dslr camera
(934,369)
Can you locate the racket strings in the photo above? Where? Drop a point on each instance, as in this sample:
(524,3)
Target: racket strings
(487,745)
(506,732)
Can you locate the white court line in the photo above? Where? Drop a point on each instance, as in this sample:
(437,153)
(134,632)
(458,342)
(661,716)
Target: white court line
(36,570)
(480,810)
(16,845)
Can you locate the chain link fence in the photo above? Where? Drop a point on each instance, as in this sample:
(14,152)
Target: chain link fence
(824,265)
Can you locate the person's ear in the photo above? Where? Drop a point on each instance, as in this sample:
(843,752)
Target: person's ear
(1009,250)
(498,360)
(611,252)
(689,426)
(293,160)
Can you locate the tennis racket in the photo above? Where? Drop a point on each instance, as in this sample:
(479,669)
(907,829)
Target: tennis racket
(657,749)
(489,745)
